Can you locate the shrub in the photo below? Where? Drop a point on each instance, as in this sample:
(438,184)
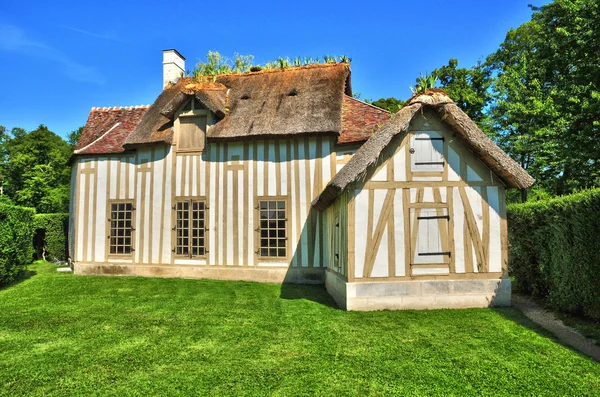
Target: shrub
(554,249)
(16,230)
(55,237)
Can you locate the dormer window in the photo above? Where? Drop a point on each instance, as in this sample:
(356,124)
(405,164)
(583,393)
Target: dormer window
(193,119)
(193,105)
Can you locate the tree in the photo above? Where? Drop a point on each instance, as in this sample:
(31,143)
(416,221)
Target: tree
(546,93)
(35,169)
(74,136)
(392,105)
(468,87)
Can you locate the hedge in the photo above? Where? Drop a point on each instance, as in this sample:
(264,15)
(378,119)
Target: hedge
(16,250)
(55,237)
(554,251)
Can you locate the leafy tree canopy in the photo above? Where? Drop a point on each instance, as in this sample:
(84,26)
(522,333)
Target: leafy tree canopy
(392,105)
(34,169)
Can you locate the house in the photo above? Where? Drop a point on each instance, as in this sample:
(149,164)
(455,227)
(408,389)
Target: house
(282,176)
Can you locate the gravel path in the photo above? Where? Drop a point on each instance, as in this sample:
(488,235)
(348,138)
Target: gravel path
(547,320)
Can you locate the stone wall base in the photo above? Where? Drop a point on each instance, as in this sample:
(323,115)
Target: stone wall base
(438,294)
(259,274)
(336,287)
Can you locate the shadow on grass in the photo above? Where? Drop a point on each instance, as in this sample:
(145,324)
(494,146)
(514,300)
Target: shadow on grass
(313,293)
(515,315)
(24,275)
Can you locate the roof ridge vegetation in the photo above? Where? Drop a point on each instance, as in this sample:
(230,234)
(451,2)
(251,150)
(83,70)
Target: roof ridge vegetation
(218,65)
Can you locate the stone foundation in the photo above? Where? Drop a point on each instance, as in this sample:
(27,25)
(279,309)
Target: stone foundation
(336,287)
(435,294)
(257,273)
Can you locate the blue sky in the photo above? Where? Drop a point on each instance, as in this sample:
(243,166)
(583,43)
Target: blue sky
(58,59)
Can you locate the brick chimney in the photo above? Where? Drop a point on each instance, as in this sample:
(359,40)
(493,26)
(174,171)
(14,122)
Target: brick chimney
(173,66)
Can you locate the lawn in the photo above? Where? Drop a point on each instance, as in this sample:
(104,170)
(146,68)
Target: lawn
(62,334)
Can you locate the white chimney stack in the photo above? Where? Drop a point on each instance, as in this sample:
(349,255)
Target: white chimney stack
(173,66)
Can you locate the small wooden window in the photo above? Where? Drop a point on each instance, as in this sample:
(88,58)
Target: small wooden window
(427,152)
(272,215)
(192,133)
(121,228)
(190,228)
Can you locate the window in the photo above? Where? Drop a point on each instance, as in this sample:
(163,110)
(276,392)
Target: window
(190,228)
(427,152)
(272,228)
(193,119)
(193,104)
(192,133)
(121,228)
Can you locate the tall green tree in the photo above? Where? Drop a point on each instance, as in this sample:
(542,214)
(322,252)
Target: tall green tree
(547,95)
(35,169)
(468,87)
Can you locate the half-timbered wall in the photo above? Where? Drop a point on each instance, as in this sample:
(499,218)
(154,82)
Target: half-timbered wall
(230,177)
(429,209)
(335,222)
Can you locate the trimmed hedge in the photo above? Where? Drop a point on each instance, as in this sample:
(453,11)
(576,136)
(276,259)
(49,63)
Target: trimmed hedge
(554,251)
(55,237)
(16,250)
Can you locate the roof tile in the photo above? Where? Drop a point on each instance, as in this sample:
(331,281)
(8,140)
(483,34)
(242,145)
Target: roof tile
(359,120)
(107,128)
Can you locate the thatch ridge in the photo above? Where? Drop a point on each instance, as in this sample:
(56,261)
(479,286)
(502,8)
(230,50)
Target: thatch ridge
(466,130)
(367,155)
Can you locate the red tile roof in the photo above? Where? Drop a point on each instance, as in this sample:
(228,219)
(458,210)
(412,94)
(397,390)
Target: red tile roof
(107,128)
(359,120)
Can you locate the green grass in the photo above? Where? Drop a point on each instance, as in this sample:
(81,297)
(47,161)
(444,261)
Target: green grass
(62,334)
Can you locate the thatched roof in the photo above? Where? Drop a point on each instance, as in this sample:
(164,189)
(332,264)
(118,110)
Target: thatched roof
(466,130)
(284,102)
(277,102)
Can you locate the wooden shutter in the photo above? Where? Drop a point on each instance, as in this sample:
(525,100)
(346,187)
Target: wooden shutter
(430,228)
(192,133)
(427,152)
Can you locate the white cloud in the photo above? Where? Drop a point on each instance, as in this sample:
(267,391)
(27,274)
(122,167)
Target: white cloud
(104,36)
(14,39)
